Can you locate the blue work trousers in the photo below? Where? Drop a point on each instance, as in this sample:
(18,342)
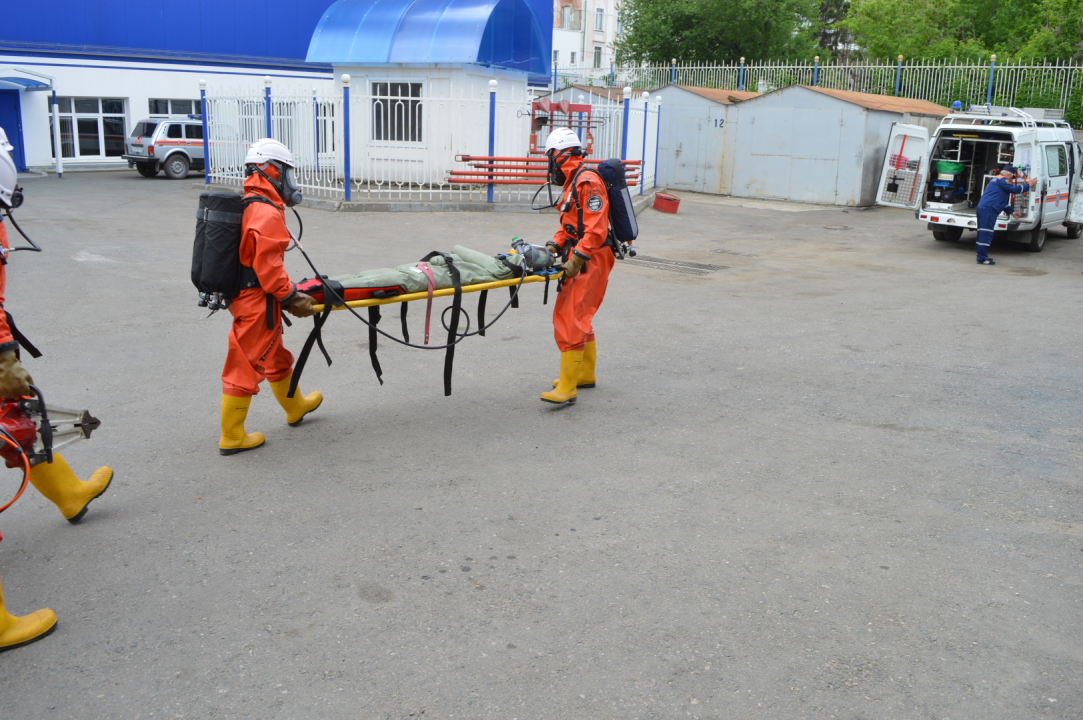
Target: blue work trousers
(987,220)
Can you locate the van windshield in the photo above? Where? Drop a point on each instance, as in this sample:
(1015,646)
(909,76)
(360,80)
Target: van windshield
(144,129)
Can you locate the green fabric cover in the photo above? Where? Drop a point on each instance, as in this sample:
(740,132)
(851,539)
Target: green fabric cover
(474,268)
(950,168)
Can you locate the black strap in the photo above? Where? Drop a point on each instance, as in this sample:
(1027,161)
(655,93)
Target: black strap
(374,320)
(456,310)
(484,295)
(271,311)
(402,318)
(315,337)
(514,297)
(20,338)
(545,295)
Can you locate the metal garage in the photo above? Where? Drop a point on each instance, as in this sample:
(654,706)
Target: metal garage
(812,144)
(691,140)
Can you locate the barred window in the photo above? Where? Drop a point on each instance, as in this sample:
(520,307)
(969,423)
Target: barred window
(397,112)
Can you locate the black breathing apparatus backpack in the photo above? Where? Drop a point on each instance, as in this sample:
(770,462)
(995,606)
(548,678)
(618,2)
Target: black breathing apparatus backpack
(217,272)
(623,227)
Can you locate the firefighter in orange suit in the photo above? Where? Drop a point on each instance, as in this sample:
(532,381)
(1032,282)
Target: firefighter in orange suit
(255,341)
(54,480)
(588,260)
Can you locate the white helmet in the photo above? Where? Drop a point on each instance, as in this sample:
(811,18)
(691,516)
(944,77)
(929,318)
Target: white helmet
(268,150)
(7,177)
(4,143)
(561,139)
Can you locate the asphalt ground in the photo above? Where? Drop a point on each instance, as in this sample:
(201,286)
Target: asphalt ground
(838,478)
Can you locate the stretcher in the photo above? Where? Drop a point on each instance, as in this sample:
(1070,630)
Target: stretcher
(387,287)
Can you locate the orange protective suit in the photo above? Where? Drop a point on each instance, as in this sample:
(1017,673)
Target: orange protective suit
(581,296)
(7,342)
(255,352)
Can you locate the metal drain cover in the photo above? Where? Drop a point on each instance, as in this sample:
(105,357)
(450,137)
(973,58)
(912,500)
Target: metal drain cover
(680,266)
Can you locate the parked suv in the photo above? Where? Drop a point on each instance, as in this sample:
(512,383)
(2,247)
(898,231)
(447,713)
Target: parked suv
(172,144)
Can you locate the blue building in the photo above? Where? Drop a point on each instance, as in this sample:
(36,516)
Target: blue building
(112,63)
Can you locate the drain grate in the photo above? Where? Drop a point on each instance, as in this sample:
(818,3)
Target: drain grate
(680,266)
(724,251)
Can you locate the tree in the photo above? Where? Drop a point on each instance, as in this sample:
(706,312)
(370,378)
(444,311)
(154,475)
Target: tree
(945,29)
(714,31)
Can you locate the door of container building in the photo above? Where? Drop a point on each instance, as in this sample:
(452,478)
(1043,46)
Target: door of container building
(11,121)
(698,155)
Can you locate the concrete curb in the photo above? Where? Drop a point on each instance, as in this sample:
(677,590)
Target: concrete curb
(639,202)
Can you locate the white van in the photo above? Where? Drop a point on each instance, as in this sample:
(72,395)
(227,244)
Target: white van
(942,180)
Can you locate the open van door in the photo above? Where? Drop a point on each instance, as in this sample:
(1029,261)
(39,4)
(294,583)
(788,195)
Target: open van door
(905,167)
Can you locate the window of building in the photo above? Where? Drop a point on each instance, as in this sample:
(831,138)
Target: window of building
(620,24)
(566,17)
(89,127)
(556,57)
(599,19)
(1056,160)
(397,112)
(573,59)
(597,56)
(159,106)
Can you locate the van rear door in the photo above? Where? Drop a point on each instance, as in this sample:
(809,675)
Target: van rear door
(905,167)
(1056,178)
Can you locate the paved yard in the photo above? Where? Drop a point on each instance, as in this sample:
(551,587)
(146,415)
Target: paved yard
(838,478)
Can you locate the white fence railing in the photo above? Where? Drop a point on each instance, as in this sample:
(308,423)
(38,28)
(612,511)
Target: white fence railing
(1057,83)
(393,141)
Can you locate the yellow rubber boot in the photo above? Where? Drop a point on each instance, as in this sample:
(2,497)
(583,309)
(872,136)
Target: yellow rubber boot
(587,377)
(18,631)
(71,495)
(296,407)
(234,438)
(570,364)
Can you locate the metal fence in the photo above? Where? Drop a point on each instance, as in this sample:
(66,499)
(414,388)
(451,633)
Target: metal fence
(396,141)
(1056,84)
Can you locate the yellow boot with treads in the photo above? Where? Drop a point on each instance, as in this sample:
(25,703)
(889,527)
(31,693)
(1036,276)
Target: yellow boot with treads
(570,364)
(296,407)
(234,437)
(18,631)
(587,377)
(58,483)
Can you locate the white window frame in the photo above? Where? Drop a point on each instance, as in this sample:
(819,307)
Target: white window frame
(73,116)
(565,17)
(556,57)
(197,107)
(599,20)
(371,110)
(598,51)
(572,62)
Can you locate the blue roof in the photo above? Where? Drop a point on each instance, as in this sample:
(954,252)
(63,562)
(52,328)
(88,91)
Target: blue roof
(505,33)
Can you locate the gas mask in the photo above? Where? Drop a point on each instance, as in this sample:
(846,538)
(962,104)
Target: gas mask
(534,257)
(557,161)
(287,190)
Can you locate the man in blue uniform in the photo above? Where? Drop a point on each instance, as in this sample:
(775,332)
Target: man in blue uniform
(995,200)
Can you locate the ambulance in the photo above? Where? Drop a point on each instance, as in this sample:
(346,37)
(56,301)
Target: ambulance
(942,179)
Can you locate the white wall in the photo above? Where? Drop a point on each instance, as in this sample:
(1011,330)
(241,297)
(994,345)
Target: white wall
(582,41)
(136,83)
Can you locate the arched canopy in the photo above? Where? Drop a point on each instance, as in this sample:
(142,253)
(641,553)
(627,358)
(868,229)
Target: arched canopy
(506,33)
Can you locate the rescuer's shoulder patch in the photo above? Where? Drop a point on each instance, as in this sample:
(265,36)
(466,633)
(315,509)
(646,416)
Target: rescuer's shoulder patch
(594,204)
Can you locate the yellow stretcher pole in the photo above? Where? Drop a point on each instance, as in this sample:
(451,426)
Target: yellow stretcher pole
(441,293)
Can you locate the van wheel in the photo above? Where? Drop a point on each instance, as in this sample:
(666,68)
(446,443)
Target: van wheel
(1037,240)
(147,169)
(939,236)
(1073,230)
(953,234)
(176,167)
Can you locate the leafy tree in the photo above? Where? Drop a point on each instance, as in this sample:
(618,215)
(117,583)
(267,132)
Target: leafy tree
(715,30)
(945,29)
